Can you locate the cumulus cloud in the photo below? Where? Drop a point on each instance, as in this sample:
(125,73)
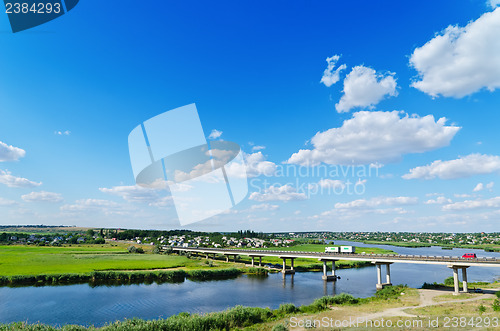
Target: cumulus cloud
(264,207)
(480,186)
(330,76)
(215,134)
(371,137)
(474,204)
(42,197)
(255,165)
(10,153)
(278,193)
(460,60)
(364,88)
(62,133)
(377,202)
(493,3)
(438,201)
(10,180)
(140,194)
(94,205)
(258,148)
(470,165)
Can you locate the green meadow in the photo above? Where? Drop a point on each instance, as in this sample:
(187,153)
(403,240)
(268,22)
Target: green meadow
(35,260)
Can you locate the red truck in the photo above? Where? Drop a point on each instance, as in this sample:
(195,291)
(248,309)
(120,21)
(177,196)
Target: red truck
(469,256)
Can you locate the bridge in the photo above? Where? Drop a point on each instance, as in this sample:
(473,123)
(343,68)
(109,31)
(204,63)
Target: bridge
(454,263)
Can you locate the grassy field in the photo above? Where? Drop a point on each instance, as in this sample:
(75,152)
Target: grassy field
(33,260)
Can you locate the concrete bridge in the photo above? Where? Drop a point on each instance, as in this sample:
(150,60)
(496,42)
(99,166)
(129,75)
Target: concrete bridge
(379,260)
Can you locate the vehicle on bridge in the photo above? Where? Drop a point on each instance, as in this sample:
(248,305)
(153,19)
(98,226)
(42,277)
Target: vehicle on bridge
(347,249)
(469,256)
(332,249)
(341,249)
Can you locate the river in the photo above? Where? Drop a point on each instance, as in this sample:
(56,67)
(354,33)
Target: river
(86,305)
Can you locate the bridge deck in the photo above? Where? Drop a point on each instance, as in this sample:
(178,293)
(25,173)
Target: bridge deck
(374,258)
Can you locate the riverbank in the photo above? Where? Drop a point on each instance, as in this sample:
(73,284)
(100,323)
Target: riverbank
(414,308)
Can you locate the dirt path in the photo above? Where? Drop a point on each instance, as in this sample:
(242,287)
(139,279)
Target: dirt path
(426,299)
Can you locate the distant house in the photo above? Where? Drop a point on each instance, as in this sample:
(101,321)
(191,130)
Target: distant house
(13,238)
(80,240)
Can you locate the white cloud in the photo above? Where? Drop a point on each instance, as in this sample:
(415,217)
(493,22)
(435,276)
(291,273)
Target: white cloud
(371,137)
(264,207)
(42,197)
(479,187)
(8,179)
(474,204)
(331,77)
(438,201)
(215,134)
(460,61)
(6,202)
(255,165)
(470,165)
(258,148)
(141,194)
(377,202)
(278,193)
(363,88)
(493,3)
(10,153)
(62,133)
(95,205)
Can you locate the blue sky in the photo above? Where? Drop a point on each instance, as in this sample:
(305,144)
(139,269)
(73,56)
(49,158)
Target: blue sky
(416,98)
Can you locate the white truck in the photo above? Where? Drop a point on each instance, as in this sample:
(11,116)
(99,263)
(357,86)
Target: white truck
(332,249)
(347,249)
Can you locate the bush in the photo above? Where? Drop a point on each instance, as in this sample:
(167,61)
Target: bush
(279,327)
(285,309)
(496,305)
(390,292)
(449,281)
(133,249)
(481,309)
(497,294)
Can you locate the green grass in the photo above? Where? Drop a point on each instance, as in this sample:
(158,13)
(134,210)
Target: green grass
(33,260)
(19,260)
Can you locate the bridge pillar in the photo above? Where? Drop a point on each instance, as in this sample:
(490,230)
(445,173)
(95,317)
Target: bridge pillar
(291,263)
(388,273)
(285,270)
(464,280)
(260,261)
(325,276)
(379,277)
(253,261)
(455,281)
(381,285)
(227,258)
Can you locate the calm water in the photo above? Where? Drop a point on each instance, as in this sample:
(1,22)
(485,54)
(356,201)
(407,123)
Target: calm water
(82,304)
